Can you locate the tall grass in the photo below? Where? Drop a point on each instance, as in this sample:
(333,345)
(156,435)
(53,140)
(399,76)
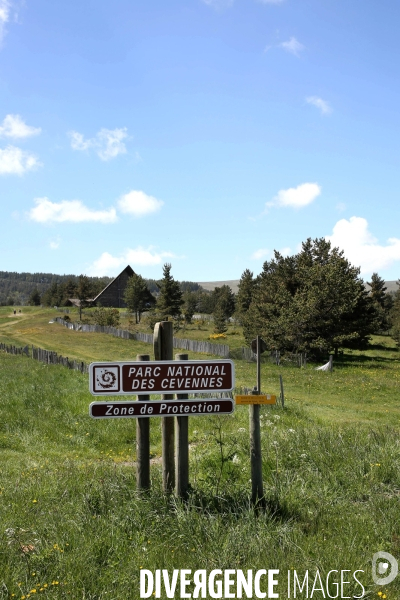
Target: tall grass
(72,524)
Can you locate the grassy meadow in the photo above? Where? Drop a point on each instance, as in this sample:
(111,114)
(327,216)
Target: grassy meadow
(73,526)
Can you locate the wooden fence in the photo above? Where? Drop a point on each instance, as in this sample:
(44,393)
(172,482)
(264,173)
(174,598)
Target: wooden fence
(47,356)
(14,349)
(221,350)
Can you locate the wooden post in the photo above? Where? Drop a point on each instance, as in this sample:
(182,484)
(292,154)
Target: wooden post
(257,492)
(143,443)
(182,447)
(163,350)
(282,394)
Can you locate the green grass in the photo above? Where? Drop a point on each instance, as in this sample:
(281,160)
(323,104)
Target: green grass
(71,519)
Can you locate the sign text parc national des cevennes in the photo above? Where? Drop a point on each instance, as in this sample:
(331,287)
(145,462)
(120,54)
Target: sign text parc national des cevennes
(161,377)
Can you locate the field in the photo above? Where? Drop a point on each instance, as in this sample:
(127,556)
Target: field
(73,526)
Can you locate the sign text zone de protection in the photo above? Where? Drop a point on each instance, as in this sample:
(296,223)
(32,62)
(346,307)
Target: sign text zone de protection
(157,408)
(160,377)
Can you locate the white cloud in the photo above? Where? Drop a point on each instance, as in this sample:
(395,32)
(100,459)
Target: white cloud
(261,253)
(14,127)
(15,161)
(361,248)
(293,46)
(139,204)
(296,197)
(107,143)
(4,16)
(77,141)
(72,211)
(319,103)
(140,257)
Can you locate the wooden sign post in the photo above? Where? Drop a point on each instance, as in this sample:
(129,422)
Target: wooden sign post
(166,377)
(182,447)
(257,491)
(163,350)
(143,443)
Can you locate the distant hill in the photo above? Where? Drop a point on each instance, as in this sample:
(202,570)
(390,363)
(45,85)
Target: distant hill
(234,285)
(211,285)
(391,286)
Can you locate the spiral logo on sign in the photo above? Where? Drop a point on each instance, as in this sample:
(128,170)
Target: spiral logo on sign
(106,379)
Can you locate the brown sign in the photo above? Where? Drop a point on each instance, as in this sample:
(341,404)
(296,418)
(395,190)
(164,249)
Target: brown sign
(161,377)
(156,408)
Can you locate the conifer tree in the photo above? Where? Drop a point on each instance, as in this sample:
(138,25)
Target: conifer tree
(137,295)
(382,302)
(395,315)
(224,298)
(169,301)
(245,294)
(378,289)
(83,293)
(313,301)
(220,325)
(34,298)
(190,305)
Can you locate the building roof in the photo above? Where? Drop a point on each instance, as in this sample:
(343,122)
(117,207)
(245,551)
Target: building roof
(128,269)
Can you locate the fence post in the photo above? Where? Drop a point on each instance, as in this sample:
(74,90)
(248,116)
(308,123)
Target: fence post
(182,447)
(282,394)
(257,492)
(143,443)
(163,350)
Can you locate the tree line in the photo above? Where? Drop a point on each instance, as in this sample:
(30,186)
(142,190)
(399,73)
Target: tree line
(314,301)
(18,289)
(177,300)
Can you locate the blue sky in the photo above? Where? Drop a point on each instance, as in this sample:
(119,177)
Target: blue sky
(204,133)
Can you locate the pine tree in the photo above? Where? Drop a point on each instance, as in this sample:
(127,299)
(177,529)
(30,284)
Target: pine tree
(225,299)
(137,295)
(245,294)
(190,305)
(378,289)
(313,301)
(381,301)
(169,301)
(83,293)
(395,315)
(34,298)
(220,325)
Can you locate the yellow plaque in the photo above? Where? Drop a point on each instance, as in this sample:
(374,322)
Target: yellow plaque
(259,399)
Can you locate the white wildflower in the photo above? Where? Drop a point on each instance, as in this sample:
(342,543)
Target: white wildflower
(236,459)
(241,430)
